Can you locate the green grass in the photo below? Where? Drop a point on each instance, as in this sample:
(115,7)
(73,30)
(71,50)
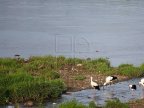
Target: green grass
(72,104)
(80,77)
(38,79)
(129,70)
(116,104)
(49,65)
(97,65)
(20,87)
(142,67)
(109,104)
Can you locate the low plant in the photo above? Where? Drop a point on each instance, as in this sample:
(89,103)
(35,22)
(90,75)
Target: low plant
(93,105)
(80,77)
(97,65)
(115,104)
(129,70)
(142,67)
(20,87)
(72,104)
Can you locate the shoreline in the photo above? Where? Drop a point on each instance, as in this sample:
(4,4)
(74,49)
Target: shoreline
(74,73)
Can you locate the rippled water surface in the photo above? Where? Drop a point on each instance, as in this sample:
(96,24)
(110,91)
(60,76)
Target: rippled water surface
(74,28)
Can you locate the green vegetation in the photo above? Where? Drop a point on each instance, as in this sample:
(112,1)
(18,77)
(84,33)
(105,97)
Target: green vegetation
(97,65)
(80,77)
(72,104)
(130,71)
(20,87)
(38,78)
(109,104)
(20,81)
(93,105)
(116,104)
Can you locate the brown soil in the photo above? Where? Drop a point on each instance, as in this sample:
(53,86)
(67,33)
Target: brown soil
(69,73)
(137,104)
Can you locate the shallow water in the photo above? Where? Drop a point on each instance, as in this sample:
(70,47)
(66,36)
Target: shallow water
(73,28)
(116,91)
(119,91)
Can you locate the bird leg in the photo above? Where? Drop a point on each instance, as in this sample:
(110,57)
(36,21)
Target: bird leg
(110,85)
(132,92)
(143,92)
(103,87)
(94,94)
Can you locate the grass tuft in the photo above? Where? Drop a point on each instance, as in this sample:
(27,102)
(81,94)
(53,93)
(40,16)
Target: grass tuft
(80,77)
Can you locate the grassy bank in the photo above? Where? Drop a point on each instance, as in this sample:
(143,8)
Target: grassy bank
(40,78)
(18,84)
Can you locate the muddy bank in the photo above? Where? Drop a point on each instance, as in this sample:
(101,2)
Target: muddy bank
(73,84)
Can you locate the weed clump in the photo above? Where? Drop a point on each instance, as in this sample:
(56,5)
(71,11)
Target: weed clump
(129,70)
(116,104)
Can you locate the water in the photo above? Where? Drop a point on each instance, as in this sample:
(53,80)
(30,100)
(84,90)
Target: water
(76,28)
(73,28)
(119,91)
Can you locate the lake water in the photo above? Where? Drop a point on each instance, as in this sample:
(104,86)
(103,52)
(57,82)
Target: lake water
(73,28)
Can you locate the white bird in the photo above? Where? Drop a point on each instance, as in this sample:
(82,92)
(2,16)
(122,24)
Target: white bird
(94,84)
(109,80)
(142,84)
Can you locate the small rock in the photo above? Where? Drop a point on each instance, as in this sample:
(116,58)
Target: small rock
(68,93)
(28,103)
(26,60)
(79,65)
(17,56)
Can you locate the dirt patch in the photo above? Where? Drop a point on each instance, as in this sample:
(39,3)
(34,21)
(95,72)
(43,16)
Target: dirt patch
(70,73)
